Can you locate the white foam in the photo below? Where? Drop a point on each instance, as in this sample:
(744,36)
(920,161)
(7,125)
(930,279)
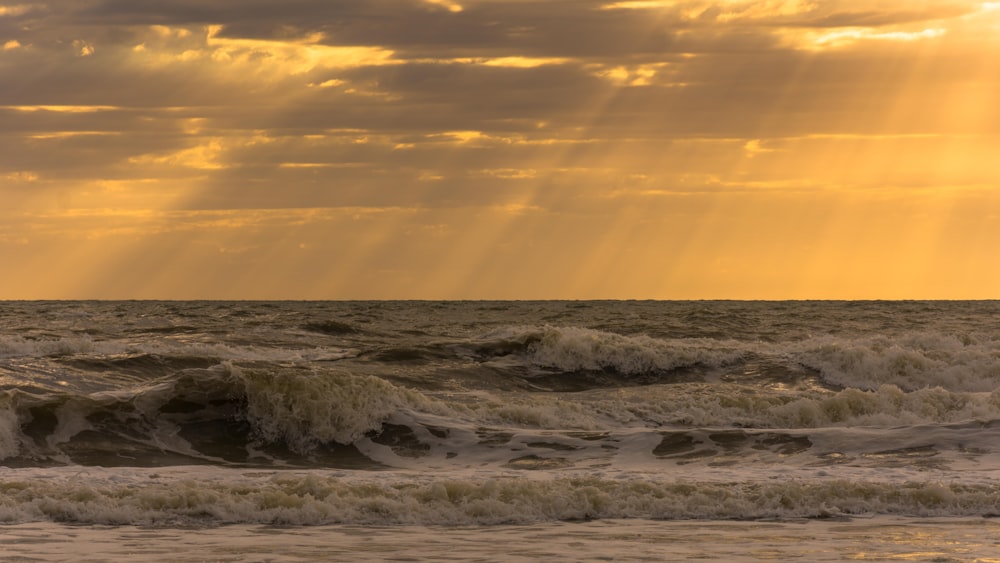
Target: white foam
(10,432)
(915,360)
(911,361)
(575,348)
(17,346)
(200,496)
(728,405)
(304,408)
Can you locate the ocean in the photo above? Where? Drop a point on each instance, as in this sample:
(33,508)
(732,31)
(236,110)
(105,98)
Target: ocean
(508,430)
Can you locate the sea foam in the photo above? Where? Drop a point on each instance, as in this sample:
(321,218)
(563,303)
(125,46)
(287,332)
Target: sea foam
(911,361)
(577,349)
(112,498)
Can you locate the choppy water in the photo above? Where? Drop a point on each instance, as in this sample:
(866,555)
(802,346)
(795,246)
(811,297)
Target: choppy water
(496,415)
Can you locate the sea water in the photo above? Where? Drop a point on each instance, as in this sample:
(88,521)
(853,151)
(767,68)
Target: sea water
(584,430)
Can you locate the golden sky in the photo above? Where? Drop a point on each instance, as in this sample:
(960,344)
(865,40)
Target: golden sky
(511,149)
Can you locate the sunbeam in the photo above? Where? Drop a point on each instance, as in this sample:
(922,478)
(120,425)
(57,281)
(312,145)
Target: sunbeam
(685,149)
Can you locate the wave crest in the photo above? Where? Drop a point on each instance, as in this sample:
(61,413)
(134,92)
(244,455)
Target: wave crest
(911,361)
(571,349)
(317,500)
(306,409)
(214,414)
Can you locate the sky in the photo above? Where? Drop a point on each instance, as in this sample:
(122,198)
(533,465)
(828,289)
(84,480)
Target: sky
(499,149)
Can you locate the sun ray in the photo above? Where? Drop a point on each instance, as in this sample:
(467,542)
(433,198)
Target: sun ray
(689,148)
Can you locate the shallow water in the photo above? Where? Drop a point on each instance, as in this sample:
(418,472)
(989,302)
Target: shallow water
(872,539)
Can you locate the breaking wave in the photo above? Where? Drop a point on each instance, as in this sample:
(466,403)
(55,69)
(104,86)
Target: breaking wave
(957,362)
(197,413)
(572,349)
(312,499)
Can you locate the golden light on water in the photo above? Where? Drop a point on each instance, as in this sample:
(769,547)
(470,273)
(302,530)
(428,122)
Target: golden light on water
(682,149)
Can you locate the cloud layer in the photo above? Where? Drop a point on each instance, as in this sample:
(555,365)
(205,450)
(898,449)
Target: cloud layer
(508,148)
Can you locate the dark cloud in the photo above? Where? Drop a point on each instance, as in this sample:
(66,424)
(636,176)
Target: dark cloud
(546,84)
(415,29)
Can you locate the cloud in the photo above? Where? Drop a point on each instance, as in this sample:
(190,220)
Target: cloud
(453,128)
(18,9)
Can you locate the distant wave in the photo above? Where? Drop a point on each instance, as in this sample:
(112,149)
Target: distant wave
(578,349)
(68,346)
(912,361)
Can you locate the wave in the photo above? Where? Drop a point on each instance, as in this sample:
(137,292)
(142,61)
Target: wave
(316,499)
(715,405)
(266,415)
(574,358)
(91,350)
(957,362)
(304,410)
(168,403)
(574,349)
(911,361)
(221,414)
(18,346)
(146,366)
